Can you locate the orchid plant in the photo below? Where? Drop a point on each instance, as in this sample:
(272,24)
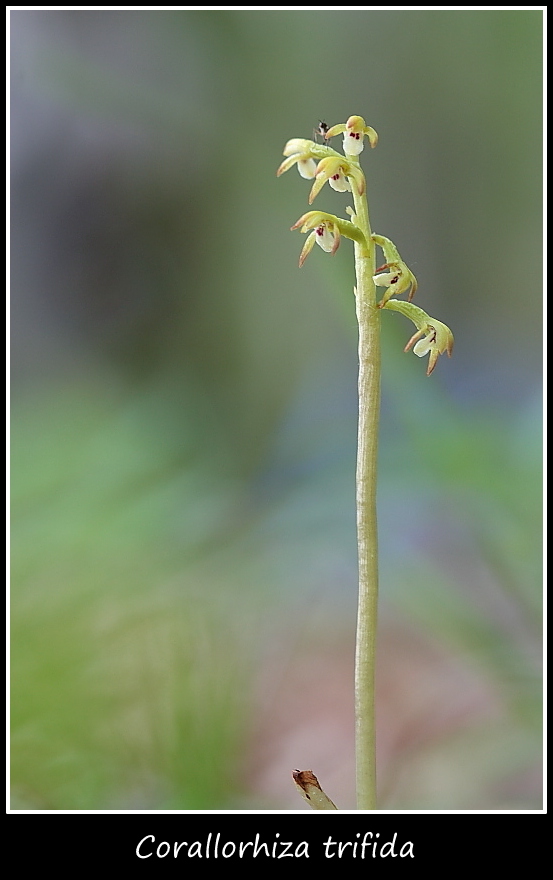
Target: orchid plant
(322,164)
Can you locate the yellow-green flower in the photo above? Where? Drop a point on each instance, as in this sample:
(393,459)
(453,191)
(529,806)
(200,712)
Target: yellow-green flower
(337,171)
(325,233)
(436,339)
(355,130)
(398,279)
(432,337)
(298,151)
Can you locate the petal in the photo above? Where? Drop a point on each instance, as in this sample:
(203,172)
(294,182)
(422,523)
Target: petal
(432,360)
(307,168)
(307,248)
(385,279)
(313,219)
(298,145)
(353,143)
(325,238)
(320,181)
(332,165)
(425,345)
(336,129)
(339,183)
(444,337)
(307,221)
(414,337)
(337,239)
(287,164)
(358,176)
(355,123)
(372,135)
(422,348)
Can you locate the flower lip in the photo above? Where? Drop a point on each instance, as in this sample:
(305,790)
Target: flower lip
(339,182)
(385,279)
(327,238)
(307,167)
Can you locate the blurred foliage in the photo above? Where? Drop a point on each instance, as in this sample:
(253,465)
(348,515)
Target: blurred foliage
(184,411)
(119,666)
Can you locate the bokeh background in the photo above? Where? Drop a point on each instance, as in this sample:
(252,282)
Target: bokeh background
(184,410)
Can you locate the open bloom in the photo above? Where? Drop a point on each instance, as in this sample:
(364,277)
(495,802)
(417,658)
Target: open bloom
(298,151)
(397,279)
(327,236)
(433,339)
(354,131)
(337,171)
(325,232)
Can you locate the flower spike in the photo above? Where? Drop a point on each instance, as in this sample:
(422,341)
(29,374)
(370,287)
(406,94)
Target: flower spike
(432,338)
(345,175)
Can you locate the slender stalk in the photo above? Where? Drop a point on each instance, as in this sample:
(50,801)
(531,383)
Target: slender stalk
(432,338)
(368,317)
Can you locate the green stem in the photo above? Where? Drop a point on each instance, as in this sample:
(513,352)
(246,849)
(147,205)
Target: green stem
(368,316)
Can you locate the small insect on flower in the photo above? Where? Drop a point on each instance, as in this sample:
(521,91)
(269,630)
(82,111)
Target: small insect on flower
(320,131)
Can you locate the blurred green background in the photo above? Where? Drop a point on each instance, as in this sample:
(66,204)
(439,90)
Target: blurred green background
(184,410)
